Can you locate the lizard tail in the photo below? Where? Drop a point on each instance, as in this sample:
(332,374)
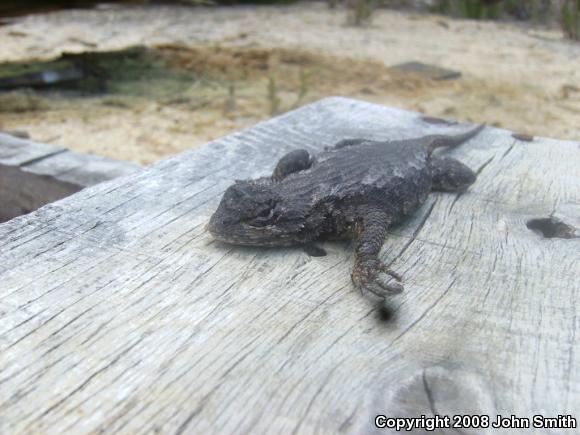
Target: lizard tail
(437,141)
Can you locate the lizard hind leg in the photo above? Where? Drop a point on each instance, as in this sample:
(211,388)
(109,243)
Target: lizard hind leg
(369,273)
(450,175)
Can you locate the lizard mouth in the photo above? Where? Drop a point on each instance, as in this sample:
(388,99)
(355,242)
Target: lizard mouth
(240,233)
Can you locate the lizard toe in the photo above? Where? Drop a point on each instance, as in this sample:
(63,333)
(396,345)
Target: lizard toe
(391,273)
(386,283)
(377,279)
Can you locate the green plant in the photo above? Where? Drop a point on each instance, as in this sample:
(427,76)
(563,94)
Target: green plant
(521,10)
(230,104)
(571,19)
(478,9)
(23,101)
(471,9)
(303,89)
(361,11)
(273,98)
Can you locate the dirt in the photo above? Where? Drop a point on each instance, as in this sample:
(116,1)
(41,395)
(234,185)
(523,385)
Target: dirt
(229,68)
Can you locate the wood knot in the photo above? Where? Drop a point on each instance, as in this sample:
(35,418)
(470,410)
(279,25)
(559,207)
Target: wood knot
(436,390)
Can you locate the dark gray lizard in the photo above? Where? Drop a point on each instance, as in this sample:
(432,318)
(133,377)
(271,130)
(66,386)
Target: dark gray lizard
(358,188)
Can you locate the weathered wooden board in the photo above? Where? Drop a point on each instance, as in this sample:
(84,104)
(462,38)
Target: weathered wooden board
(120,314)
(33,174)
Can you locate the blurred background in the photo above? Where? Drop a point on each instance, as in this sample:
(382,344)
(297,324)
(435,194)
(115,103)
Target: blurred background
(143,80)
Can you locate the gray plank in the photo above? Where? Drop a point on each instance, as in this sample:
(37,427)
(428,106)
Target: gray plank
(33,174)
(82,169)
(119,313)
(15,151)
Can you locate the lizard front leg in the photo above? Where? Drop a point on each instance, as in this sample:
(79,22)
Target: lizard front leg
(369,272)
(294,161)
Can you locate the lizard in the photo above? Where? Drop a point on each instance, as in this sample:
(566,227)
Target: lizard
(357,188)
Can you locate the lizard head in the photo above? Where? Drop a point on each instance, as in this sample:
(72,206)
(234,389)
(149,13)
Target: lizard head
(252,213)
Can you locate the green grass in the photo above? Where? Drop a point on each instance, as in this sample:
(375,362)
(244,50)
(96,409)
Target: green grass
(571,19)
(19,102)
(471,9)
(273,98)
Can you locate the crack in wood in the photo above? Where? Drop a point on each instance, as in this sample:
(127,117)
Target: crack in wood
(415,233)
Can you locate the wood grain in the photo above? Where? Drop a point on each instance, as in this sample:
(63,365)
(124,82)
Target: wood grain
(120,314)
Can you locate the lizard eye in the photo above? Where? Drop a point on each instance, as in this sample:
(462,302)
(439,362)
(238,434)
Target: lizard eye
(263,218)
(267,213)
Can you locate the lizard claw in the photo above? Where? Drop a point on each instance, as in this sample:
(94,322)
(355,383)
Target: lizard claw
(370,276)
(391,272)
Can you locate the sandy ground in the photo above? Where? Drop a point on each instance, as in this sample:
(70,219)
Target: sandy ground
(522,78)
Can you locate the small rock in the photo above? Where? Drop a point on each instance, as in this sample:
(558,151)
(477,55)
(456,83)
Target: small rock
(523,137)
